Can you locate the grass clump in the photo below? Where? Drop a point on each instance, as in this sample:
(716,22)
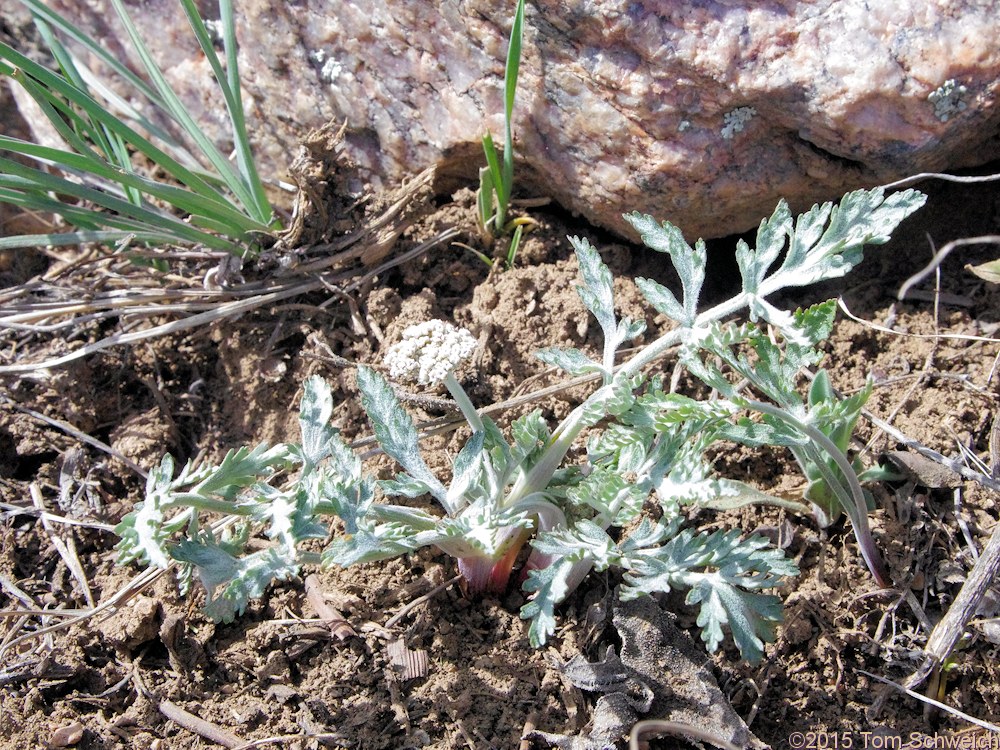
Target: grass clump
(92,182)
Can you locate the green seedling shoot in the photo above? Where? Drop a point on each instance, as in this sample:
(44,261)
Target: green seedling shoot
(496,179)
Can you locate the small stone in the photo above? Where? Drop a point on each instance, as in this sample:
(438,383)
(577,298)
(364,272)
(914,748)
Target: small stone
(67,736)
(282,693)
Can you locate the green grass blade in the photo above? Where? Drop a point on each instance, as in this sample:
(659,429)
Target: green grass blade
(500,187)
(22,192)
(31,201)
(140,86)
(510,91)
(137,85)
(23,69)
(77,131)
(40,10)
(65,61)
(120,156)
(134,82)
(174,105)
(220,214)
(485,199)
(18,176)
(87,219)
(167,141)
(229,81)
(103,237)
(90,220)
(515,244)
(216,208)
(99,161)
(108,143)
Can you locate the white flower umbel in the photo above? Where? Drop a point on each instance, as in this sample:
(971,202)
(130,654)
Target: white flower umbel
(428,353)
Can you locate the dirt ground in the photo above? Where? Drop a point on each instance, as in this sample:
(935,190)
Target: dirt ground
(112,680)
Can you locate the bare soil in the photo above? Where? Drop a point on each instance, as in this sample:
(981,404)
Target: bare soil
(109,681)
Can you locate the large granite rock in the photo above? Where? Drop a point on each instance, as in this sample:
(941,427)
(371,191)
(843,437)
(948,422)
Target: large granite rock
(701,112)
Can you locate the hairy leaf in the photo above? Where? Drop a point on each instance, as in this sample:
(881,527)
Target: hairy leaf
(141,532)
(724,574)
(663,301)
(750,616)
(689,263)
(572,361)
(771,237)
(240,578)
(615,500)
(370,543)
(481,530)
(768,432)
(394,429)
(531,434)
(597,291)
(349,500)
(238,470)
(315,413)
(549,586)
(864,217)
(403,486)
(471,474)
(289,516)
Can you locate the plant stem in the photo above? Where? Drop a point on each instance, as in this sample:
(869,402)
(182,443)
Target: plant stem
(855,506)
(493,573)
(464,402)
(200,502)
(566,433)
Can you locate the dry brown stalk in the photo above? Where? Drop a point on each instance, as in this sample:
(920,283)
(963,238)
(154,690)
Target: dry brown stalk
(338,625)
(203,728)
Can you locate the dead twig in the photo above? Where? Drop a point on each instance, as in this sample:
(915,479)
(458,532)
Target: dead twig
(136,585)
(202,728)
(939,257)
(420,600)
(222,311)
(289,738)
(16,510)
(955,465)
(65,546)
(530,724)
(202,306)
(337,624)
(936,336)
(37,612)
(937,704)
(15,591)
(915,178)
(76,433)
(949,630)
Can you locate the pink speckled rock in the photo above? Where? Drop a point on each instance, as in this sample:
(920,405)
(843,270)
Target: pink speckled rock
(704,113)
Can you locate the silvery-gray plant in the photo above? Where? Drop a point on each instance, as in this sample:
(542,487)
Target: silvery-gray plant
(622,507)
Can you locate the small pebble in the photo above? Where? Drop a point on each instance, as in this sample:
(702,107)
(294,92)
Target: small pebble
(68,735)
